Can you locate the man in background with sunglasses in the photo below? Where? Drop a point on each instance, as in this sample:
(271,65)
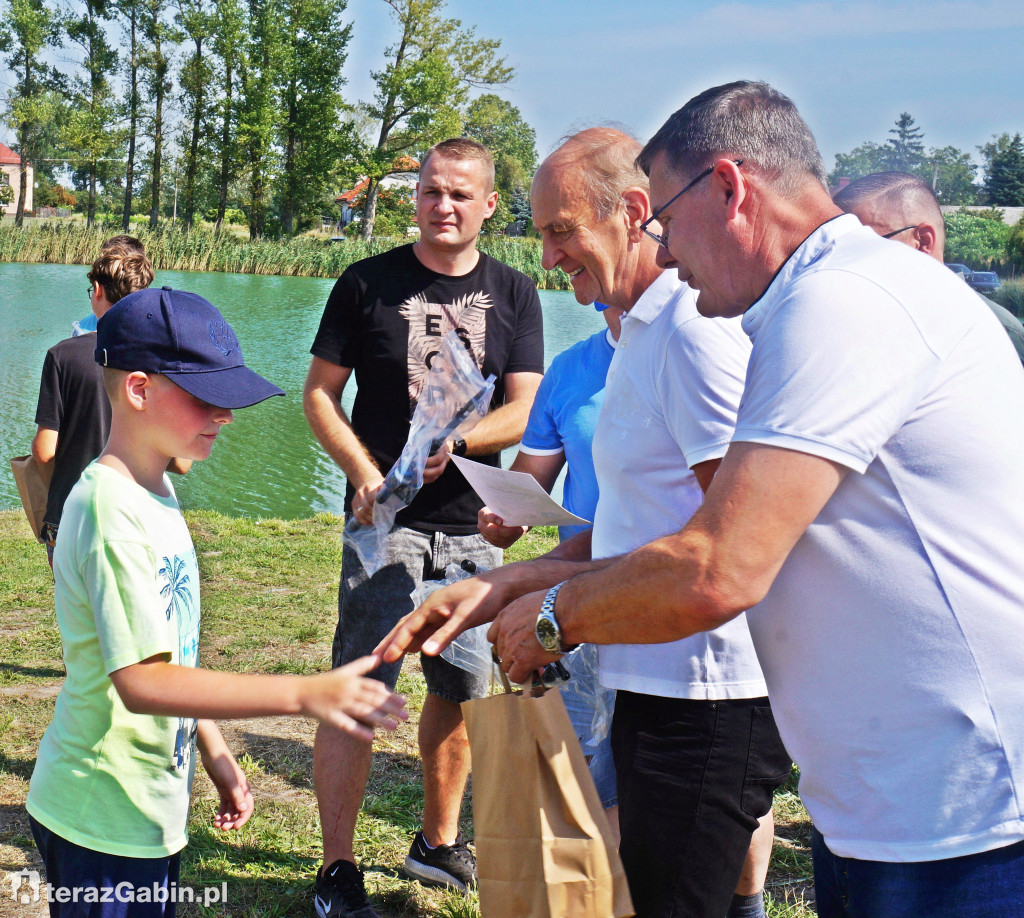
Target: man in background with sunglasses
(903,208)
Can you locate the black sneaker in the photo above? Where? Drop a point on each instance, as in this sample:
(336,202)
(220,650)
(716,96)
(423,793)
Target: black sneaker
(446,865)
(339,892)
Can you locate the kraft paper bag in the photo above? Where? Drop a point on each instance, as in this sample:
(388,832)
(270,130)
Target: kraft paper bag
(543,845)
(33,481)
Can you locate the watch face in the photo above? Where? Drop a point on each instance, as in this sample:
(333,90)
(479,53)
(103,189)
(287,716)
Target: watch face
(547,634)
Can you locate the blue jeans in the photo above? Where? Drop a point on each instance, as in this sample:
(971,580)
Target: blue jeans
(582,694)
(985,885)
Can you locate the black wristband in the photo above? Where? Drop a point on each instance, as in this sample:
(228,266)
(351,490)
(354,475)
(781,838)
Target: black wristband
(458,447)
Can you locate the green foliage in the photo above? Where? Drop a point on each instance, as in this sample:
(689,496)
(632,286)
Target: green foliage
(420,92)
(90,129)
(314,49)
(1004,170)
(28,28)
(396,212)
(500,127)
(203,249)
(976,241)
(904,149)
(948,170)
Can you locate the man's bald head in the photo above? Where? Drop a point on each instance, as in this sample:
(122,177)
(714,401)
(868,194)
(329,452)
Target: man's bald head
(898,204)
(601,163)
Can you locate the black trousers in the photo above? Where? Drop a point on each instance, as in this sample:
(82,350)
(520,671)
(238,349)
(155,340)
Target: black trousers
(694,777)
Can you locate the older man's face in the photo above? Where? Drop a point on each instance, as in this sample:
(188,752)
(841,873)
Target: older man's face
(591,251)
(696,240)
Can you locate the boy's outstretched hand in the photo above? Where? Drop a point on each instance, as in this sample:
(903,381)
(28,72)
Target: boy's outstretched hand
(343,698)
(236,804)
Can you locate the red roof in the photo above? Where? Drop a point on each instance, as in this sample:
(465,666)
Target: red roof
(8,157)
(402,164)
(349,196)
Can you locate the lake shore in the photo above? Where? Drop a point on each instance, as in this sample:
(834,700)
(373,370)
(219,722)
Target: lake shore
(171,248)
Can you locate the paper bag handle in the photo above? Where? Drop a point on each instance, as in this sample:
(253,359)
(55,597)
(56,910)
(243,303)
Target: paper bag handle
(504,676)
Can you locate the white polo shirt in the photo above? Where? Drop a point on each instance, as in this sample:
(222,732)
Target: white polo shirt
(670,402)
(892,639)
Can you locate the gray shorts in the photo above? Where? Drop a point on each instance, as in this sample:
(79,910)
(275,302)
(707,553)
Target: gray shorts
(369,608)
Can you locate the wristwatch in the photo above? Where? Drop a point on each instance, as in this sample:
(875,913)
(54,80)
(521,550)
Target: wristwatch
(549,635)
(458,447)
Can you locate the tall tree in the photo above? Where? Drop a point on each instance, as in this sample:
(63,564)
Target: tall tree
(91,129)
(26,31)
(951,174)
(905,148)
(258,108)
(158,41)
(424,84)
(229,46)
(314,49)
(860,161)
(500,127)
(195,18)
(1004,170)
(127,12)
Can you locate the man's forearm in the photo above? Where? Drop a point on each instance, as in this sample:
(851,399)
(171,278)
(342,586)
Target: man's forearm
(501,428)
(332,428)
(663,591)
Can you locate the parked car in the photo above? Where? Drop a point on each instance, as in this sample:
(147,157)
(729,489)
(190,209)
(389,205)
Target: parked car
(984,281)
(962,271)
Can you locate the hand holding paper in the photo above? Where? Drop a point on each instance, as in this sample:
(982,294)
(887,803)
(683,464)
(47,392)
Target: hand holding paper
(516,497)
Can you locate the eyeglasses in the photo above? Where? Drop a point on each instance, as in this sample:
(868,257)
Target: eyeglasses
(662,239)
(897,232)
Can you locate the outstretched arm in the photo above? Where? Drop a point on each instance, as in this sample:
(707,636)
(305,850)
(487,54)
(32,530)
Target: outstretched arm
(722,562)
(342,698)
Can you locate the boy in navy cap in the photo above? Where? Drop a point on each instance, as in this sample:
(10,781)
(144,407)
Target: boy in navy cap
(109,797)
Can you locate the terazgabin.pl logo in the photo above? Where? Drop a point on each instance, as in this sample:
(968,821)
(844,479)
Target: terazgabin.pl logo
(26,886)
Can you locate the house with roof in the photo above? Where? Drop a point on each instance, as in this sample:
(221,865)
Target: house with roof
(10,174)
(405,174)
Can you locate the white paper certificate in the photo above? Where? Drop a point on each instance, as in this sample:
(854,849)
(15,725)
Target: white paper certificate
(515,496)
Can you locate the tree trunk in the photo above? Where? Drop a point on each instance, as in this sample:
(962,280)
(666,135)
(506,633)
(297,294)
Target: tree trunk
(19,213)
(90,214)
(288,211)
(225,154)
(133,118)
(158,136)
(192,166)
(370,210)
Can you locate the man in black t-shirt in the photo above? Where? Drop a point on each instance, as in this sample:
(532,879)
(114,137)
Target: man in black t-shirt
(384,321)
(73,413)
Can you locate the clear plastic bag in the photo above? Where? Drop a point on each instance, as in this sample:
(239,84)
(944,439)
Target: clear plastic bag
(584,695)
(453,398)
(471,650)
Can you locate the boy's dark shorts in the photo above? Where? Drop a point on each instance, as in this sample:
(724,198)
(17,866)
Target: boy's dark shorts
(369,608)
(72,870)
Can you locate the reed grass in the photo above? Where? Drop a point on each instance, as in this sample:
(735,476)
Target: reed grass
(172,248)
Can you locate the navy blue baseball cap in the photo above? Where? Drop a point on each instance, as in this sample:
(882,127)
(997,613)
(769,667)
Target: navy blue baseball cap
(185,338)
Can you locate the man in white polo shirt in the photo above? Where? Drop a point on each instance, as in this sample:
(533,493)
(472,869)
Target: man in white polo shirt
(695,747)
(871,505)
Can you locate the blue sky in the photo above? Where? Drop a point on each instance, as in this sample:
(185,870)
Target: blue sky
(851,67)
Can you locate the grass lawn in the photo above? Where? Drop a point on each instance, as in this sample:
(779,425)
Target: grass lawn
(269,605)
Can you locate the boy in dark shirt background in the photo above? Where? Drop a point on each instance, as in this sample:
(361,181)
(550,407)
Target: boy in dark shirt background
(73,413)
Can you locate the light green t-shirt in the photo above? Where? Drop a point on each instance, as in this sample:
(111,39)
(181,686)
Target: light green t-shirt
(127,588)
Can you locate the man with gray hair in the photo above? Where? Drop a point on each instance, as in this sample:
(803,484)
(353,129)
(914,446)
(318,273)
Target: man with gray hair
(903,208)
(869,514)
(695,747)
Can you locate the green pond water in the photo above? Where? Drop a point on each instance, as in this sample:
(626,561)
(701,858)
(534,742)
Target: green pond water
(267,463)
